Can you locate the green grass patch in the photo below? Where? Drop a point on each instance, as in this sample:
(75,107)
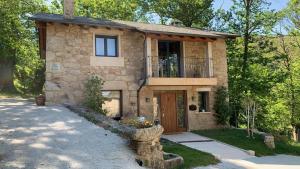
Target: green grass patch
(192,158)
(238,138)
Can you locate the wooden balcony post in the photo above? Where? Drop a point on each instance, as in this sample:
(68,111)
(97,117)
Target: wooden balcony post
(210,59)
(182,60)
(148,57)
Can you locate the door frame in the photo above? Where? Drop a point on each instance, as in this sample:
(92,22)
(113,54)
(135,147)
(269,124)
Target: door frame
(184,92)
(180,54)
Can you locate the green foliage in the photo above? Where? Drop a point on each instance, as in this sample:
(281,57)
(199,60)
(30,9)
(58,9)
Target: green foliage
(192,158)
(18,43)
(221,106)
(197,13)
(107,9)
(254,68)
(93,94)
(238,138)
(263,73)
(292,12)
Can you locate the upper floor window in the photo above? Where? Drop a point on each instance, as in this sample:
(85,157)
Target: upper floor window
(106,46)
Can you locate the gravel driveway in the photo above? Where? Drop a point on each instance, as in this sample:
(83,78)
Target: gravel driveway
(52,137)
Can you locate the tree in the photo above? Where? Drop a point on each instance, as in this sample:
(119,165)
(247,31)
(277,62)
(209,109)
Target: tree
(292,12)
(221,106)
(249,106)
(249,17)
(191,13)
(249,68)
(289,50)
(105,9)
(18,42)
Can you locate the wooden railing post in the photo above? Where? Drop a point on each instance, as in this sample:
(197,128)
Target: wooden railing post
(210,59)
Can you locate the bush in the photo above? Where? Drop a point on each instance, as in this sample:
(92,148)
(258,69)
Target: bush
(221,106)
(94,98)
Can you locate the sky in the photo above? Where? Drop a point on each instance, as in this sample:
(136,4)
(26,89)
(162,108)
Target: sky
(275,4)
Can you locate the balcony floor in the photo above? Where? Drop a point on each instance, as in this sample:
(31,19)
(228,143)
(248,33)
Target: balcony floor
(181,81)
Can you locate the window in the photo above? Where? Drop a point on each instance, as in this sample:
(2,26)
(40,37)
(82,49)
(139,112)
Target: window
(113,103)
(106,46)
(203,101)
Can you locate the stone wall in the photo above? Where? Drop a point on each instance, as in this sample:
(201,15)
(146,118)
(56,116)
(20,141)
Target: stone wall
(196,120)
(70,59)
(206,120)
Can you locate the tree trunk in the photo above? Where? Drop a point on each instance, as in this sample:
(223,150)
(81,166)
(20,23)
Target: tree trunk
(247,4)
(6,75)
(291,86)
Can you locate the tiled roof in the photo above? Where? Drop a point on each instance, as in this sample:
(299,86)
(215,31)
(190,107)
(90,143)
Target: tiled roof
(143,27)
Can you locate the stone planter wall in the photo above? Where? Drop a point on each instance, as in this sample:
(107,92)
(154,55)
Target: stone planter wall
(174,161)
(269,141)
(145,142)
(268,138)
(147,146)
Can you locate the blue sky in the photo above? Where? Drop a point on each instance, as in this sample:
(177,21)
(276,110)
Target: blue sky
(275,4)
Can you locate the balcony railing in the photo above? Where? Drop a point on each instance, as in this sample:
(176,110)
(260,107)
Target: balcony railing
(171,67)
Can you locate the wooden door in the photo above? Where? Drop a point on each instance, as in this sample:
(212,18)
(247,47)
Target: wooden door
(168,112)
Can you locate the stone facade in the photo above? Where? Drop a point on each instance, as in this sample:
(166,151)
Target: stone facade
(195,120)
(70,60)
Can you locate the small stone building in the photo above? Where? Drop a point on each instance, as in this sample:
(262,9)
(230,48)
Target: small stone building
(162,72)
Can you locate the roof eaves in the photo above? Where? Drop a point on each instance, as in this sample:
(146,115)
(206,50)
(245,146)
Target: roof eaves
(226,35)
(180,34)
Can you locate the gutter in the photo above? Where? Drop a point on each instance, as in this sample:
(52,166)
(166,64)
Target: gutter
(138,97)
(144,80)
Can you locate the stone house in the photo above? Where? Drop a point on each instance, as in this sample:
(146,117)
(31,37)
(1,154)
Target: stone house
(161,72)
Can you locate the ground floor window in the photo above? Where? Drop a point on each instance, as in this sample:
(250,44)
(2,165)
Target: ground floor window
(113,103)
(203,101)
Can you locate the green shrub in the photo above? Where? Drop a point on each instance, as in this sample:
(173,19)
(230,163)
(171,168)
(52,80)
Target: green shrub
(93,94)
(221,106)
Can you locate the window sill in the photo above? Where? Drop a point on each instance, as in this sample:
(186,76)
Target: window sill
(107,61)
(104,56)
(203,112)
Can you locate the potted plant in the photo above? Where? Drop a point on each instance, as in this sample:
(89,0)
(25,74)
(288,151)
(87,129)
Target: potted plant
(40,100)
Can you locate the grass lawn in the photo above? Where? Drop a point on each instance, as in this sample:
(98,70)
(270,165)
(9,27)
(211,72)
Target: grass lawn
(239,139)
(192,157)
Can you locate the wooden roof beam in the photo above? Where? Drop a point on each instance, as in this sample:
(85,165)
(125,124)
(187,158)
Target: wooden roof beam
(179,38)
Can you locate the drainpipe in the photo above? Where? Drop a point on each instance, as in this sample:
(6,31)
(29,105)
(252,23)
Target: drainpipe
(144,80)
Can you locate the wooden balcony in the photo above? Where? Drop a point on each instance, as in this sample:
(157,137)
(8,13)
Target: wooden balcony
(169,72)
(169,67)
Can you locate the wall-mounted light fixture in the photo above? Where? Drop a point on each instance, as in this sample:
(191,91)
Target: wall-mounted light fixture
(147,99)
(193,98)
